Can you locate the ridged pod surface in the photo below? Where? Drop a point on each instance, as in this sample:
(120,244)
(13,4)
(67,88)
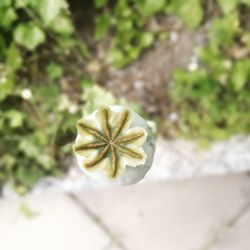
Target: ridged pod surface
(110,144)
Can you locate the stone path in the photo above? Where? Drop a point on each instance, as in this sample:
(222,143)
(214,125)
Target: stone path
(211,213)
(174,159)
(178,159)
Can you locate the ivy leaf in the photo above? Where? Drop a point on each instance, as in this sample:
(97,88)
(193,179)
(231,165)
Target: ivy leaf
(62,25)
(14,59)
(29,35)
(146,39)
(5,87)
(223,30)
(7,17)
(85,82)
(133,53)
(116,57)
(54,71)
(15,118)
(21,3)
(50,9)
(28,177)
(29,148)
(228,6)
(95,97)
(189,10)
(5,3)
(149,7)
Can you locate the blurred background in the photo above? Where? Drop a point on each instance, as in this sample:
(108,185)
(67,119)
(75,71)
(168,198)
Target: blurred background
(182,65)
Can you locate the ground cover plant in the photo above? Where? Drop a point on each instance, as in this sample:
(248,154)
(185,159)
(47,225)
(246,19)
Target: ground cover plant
(46,84)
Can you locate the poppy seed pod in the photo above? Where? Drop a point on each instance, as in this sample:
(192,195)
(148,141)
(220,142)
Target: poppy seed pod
(114,145)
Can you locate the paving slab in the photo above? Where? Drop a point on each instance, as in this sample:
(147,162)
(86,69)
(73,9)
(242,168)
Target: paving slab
(237,237)
(58,224)
(175,215)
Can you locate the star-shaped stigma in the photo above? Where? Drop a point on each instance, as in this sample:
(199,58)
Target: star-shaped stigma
(107,142)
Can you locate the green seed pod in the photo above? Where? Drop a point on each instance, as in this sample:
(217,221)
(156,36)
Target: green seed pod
(114,145)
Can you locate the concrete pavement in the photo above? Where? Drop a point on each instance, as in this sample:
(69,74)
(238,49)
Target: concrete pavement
(211,213)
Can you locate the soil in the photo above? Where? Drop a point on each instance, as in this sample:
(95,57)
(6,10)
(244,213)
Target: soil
(146,80)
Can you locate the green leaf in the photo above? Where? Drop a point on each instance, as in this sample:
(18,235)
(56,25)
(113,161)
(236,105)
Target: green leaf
(100,3)
(146,39)
(228,5)
(66,43)
(51,91)
(95,97)
(149,7)
(27,176)
(121,7)
(7,17)
(29,148)
(240,74)
(15,118)
(102,26)
(86,82)
(116,57)
(189,10)
(62,25)
(133,53)
(46,161)
(162,35)
(29,35)
(21,3)
(125,25)
(223,30)
(54,71)
(6,83)
(210,56)
(49,10)
(14,58)
(5,3)
(82,48)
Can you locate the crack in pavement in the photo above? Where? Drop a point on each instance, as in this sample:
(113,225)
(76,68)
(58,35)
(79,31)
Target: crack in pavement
(97,220)
(225,228)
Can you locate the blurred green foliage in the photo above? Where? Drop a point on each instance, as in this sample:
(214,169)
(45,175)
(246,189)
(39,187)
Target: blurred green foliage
(213,101)
(39,49)
(31,112)
(129,22)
